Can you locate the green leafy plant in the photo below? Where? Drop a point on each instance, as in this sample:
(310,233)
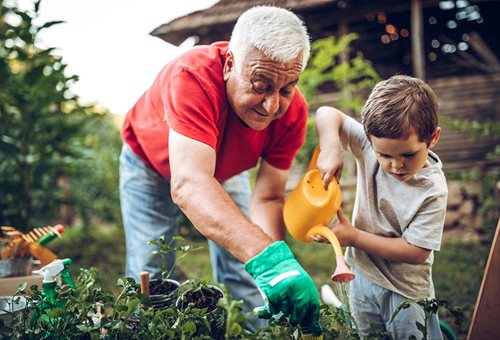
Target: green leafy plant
(91,312)
(429,307)
(56,153)
(169,247)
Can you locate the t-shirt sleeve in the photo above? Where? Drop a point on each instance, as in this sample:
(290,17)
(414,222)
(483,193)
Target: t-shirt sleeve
(426,229)
(353,137)
(189,109)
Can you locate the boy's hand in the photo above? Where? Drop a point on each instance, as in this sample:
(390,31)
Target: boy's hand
(345,231)
(330,165)
(319,239)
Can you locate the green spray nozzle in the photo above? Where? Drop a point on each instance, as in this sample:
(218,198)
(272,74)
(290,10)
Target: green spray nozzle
(56,267)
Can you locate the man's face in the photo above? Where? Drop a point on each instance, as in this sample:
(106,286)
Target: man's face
(260,89)
(403,157)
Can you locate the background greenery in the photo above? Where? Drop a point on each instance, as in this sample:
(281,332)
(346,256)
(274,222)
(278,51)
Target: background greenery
(59,164)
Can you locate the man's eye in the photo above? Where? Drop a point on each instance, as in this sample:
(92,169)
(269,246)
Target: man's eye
(260,87)
(286,91)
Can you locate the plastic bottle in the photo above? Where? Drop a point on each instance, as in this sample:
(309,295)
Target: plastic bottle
(49,293)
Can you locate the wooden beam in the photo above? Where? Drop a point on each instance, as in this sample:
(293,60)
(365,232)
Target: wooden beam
(482,49)
(417,40)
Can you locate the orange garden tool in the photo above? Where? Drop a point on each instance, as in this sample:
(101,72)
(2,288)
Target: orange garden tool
(35,240)
(309,209)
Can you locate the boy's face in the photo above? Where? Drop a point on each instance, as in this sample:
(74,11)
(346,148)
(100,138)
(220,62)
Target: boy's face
(403,158)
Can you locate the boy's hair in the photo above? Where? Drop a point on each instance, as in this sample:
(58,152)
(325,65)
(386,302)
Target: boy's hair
(277,32)
(400,106)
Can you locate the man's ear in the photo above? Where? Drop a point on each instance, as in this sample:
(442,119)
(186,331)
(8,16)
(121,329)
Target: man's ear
(228,64)
(435,137)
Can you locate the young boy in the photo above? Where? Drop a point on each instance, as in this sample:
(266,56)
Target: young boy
(400,203)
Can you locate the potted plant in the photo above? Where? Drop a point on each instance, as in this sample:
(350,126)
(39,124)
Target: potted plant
(205,297)
(164,292)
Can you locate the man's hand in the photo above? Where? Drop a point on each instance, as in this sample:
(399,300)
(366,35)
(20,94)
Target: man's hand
(286,287)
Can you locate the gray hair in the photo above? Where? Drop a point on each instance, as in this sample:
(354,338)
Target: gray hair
(277,32)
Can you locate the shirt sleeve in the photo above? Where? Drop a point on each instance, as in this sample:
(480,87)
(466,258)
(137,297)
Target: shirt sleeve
(189,109)
(353,137)
(426,229)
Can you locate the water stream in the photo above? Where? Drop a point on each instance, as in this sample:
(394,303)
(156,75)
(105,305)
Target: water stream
(342,291)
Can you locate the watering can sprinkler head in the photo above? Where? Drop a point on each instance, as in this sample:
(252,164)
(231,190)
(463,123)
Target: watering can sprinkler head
(342,273)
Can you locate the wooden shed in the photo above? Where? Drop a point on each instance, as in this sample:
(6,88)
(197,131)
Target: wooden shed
(453,45)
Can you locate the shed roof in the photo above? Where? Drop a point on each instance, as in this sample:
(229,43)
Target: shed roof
(222,14)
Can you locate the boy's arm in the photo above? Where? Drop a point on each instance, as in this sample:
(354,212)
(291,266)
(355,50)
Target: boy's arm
(329,122)
(395,249)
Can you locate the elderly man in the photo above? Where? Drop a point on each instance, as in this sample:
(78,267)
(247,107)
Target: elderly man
(211,114)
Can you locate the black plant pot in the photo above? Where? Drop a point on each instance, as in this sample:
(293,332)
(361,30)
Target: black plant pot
(206,297)
(163,294)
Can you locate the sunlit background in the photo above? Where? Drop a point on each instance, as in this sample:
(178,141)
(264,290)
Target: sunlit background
(108,45)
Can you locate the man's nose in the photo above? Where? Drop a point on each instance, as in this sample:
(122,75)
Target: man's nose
(271,103)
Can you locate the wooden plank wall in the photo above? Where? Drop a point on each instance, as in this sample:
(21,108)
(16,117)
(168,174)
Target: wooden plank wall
(474,97)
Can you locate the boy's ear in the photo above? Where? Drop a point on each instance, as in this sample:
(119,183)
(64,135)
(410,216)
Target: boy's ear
(435,137)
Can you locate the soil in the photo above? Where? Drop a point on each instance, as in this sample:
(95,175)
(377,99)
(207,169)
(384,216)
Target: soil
(204,298)
(156,287)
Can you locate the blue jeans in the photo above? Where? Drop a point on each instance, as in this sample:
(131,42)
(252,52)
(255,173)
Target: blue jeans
(372,307)
(149,212)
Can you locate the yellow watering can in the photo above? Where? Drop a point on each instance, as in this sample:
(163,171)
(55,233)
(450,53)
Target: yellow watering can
(309,209)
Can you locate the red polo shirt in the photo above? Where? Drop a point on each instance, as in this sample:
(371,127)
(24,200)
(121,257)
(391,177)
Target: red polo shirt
(189,95)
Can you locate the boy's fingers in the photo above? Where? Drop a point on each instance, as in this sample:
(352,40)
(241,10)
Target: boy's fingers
(338,173)
(340,214)
(319,239)
(327,178)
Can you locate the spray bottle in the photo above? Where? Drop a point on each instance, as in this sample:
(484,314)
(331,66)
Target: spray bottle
(49,293)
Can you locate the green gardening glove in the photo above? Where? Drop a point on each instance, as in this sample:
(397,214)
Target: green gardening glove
(285,286)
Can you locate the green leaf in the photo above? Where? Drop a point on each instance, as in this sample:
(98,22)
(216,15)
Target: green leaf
(56,312)
(22,288)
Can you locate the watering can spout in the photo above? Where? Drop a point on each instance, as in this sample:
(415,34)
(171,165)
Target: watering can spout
(342,272)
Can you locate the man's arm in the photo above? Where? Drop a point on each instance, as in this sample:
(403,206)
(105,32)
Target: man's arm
(201,197)
(266,204)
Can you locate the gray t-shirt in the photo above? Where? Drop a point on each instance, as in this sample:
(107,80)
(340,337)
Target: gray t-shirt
(414,210)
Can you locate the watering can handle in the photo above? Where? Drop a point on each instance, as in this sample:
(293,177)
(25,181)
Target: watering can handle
(314,159)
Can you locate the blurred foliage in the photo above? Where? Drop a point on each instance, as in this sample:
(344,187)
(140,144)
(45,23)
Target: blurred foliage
(53,151)
(486,177)
(488,197)
(91,246)
(457,273)
(305,152)
(353,77)
(94,175)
